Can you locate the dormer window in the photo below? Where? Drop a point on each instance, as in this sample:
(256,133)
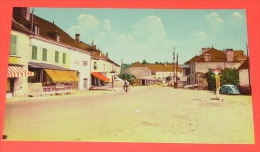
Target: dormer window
(207,57)
(58,37)
(36,29)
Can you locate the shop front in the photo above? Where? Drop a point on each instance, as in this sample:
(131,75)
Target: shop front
(17,81)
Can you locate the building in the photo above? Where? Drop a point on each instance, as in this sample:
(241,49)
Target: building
(211,58)
(59,63)
(101,66)
(18,73)
(244,78)
(152,73)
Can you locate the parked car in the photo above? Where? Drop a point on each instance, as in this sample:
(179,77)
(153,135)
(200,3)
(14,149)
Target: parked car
(229,89)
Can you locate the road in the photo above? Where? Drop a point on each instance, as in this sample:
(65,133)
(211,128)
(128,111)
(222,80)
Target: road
(147,114)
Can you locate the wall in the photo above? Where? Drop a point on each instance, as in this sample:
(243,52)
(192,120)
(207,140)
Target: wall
(243,77)
(51,48)
(22,47)
(34,89)
(77,60)
(139,72)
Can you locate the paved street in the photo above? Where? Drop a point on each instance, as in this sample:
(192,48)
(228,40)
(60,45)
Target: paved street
(146,114)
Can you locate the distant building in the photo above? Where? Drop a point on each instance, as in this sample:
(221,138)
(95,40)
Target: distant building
(151,73)
(211,58)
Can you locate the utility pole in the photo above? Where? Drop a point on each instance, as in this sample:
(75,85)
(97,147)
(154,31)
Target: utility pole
(176,76)
(173,65)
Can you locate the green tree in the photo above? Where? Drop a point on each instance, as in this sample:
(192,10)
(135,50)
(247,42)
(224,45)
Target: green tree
(124,67)
(211,79)
(229,76)
(144,62)
(125,76)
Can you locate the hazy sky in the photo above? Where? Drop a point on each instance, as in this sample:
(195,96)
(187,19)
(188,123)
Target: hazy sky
(152,34)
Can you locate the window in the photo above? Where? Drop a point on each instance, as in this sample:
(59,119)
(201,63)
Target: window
(13,45)
(95,65)
(64,58)
(34,52)
(36,29)
(56,57)
(44,54)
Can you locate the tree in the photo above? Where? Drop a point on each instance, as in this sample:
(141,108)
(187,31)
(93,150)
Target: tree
(125,76)
(144,62)
(229,76)
(211,79)
(124,67)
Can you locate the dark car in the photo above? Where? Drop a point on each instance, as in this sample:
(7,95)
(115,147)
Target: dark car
(229,89)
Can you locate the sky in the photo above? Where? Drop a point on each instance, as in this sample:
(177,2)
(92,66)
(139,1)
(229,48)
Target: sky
(132,35)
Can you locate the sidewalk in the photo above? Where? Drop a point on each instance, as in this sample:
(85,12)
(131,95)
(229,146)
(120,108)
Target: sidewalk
(94,91)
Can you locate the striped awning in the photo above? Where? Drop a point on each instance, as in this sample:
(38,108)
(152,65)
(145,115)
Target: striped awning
(16,71)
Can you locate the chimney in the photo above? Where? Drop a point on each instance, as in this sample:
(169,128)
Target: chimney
(77,37)
(107,55)
(203,50)
(230,55)
(24,11)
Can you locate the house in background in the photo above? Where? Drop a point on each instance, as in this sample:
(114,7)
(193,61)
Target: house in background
(102,68)
(18,73)
(211,58)
(152,73)
(244,78)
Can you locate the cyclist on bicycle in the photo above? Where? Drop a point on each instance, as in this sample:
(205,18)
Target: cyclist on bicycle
(126,84)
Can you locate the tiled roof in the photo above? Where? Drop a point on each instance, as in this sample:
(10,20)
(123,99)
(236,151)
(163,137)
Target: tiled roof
(244,65)
(47,30)
(158,67)
(218,56)
(95,53)
(19,27)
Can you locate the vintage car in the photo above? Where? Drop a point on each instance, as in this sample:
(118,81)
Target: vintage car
(229,89)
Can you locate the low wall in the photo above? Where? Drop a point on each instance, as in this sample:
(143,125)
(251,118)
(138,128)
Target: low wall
(34,89)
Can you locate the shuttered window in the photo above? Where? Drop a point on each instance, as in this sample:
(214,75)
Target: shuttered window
(44,54)
(56,57)
(34,52)
(64,58)
(13,44)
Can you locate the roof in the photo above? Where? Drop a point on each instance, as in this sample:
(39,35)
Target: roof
(218,56)
(49,31)
(158,67)
(244,65)
(45,66)
(21,28)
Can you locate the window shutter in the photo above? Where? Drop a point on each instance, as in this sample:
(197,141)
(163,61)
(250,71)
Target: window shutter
(13,45)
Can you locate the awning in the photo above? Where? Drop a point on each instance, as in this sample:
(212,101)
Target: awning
(73,75)
(53,75)
(16,71)
(64,75)
(100,76)
(59,75)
